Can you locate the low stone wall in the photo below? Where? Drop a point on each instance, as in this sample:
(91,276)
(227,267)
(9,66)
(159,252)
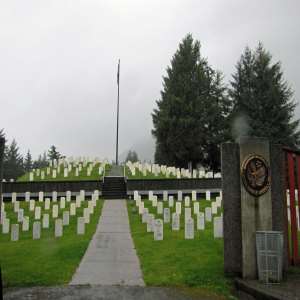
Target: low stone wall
(49,186)
(174,184)
(141,185)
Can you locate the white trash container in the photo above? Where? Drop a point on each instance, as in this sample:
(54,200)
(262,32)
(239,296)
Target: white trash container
(269,250)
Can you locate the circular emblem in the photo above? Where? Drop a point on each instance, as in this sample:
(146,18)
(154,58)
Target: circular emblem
(255,175)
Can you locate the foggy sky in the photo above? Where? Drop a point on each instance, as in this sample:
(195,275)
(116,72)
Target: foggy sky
(58,63)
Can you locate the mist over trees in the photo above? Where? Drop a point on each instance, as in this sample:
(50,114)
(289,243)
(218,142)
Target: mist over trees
(196,112)
(131,156)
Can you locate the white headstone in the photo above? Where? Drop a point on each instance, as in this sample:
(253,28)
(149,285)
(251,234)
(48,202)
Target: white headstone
(13,197)
(16,206)
(158,230)
(150,223)
(41,196)
(68,196)
(54,173)
(54,211)
(200,221)
(159,207)
(150,195)
(80,225)
(196,208)
(175,221)
(86,215)
(165,195)
(72,209)
(31,176)
(207,195)
(186,201)
(5,225)
(45,220)
(208,215)
(14,232)
(20,215)
(31,205)
(37,213)
(25,223)
(47,204)
(145,215)
(154,201)
(218,227)
(78,201)
(82,194)
(214,208)
(187,213)
(58,228)
(171,201)
(62,202)
(179,195)
(194,195)
(178,208)
(27,196)
(66,218)
(167,215)
(189,229)
(36,230)
(54,196)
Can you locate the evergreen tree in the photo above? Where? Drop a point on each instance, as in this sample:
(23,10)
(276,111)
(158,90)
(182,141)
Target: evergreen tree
(262,99)
(13,162)
(28,163)
(190,119)
(53,153)
(132,156)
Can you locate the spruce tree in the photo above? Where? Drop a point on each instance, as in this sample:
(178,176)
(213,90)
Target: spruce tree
(13,162)
(53,153)
(262,100)
(132,156)
(28,163)
(190,118)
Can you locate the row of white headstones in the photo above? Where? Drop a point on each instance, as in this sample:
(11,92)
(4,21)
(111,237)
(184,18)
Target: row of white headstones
(66,167)
(24,220)
(156,225)
(156,170)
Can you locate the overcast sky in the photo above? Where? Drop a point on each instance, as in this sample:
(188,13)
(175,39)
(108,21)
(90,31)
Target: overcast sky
(58,63)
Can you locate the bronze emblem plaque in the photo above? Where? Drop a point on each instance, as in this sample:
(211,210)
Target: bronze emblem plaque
(255,175)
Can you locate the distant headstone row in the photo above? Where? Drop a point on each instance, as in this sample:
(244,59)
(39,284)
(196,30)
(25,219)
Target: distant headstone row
(166,171)
(69,166)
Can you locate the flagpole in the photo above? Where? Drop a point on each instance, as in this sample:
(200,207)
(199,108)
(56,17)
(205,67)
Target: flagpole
(117,141)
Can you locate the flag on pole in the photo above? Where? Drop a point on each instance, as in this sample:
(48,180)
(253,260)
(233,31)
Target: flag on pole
(118,76)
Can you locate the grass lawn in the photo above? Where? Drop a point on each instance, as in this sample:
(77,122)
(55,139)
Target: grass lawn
(196,264)
(139,175)
(71,176)
(48,261)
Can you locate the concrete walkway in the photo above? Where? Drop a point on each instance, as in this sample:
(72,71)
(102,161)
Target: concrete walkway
(111,257)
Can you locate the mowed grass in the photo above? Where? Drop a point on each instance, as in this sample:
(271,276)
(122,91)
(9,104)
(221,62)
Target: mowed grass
(50,260)
(178,262)
(71,176)
(139,175)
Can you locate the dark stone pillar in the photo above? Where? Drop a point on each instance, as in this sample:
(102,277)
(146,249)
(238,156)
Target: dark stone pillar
(279,209)
(231,192)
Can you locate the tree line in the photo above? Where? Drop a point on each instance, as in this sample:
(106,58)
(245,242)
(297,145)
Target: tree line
(197,112)
(16,165)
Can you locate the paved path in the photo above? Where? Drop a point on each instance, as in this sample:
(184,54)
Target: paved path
(111,257)
(96,293)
